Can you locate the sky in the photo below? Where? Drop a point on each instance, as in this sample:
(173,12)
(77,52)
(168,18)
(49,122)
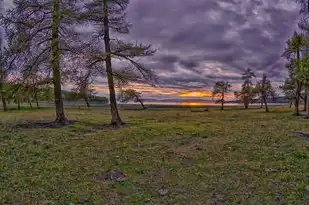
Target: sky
(199,42)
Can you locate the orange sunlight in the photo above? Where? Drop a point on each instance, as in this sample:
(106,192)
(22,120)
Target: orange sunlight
(194,104)
(196,94)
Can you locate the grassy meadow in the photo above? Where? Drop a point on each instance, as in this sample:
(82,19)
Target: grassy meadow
(162,156)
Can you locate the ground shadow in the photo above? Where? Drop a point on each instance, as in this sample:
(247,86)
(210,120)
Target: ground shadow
(49,124)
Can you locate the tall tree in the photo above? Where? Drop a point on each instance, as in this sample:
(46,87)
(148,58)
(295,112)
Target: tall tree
(295,46)
(221,88)
(106,16)
(2,69)
(247,94)
(265,89)
(303,76)
(44,30)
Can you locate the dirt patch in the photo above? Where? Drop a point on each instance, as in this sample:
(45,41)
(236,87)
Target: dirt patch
(52,124)
(113,175)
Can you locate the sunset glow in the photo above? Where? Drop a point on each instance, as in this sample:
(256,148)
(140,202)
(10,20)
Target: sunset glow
(196,94)
(194,104)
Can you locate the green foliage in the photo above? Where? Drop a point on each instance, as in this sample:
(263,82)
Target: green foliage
(247,93)
(220,89)
(131,95)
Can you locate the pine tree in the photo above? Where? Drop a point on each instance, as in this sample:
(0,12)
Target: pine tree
(295,46)
(40,30)
(109,17)
(247,94)
(219,91)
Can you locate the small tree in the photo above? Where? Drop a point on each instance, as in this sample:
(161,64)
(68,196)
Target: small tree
(265,89)
(131,95)
(219,91)
(247,94)
(289,90)
(82,81)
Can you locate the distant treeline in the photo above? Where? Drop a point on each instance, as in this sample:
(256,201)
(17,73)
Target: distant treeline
(19,94)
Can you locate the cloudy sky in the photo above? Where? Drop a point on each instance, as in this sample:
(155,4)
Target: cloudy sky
(202,41)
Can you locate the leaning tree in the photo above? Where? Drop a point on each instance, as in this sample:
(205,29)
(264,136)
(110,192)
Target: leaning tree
(108,17)
(131,95)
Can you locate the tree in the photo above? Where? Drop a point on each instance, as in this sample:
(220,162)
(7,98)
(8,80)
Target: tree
(295,46)
(82,80)
(43,30)
(109,15)
(265,89)
(247,94)
(303,75)
(219,91)
(289,90)
(131,94)
(3,73)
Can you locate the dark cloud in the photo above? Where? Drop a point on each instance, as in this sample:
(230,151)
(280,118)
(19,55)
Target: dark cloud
(195,37)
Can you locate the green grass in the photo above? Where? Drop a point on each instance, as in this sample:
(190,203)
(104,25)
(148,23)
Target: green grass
(200,157)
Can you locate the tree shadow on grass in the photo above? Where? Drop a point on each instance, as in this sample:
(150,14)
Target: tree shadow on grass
(48,124)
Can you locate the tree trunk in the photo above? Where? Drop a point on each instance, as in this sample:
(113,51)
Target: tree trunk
(265,102)
(60,116)
(307,114)
(141,102)
(18,105)
(298,89)
(246,102)
(291,103)
(305,101)
(87,102)
(116,120)
(36,99)
(29,101)
(5,107)
(262,102)
(222,102)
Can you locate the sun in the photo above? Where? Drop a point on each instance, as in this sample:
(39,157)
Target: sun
(196,94)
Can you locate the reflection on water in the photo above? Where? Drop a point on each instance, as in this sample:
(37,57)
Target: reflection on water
(208,104)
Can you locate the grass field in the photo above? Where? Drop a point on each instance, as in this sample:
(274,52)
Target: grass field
(163,156)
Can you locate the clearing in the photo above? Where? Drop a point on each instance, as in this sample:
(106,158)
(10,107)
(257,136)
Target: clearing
(163,156)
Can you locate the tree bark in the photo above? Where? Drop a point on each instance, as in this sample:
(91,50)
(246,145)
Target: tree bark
(4,104)
(298,89)
(222,102)
(291,103)
(87,102)
(262,102)
(29,101)
(246,102)
(36,99)
(141,102)
(305,101)
(265,102)
(297,99)
(60,115)
(18,105)
(116,120)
